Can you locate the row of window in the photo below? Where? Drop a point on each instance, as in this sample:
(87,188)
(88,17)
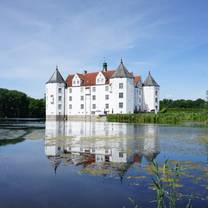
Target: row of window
(94,88)
(94,97)
(106,89)
(93,106)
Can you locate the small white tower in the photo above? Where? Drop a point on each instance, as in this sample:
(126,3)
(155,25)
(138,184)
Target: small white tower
(55,97)
(151,94)
(122,91)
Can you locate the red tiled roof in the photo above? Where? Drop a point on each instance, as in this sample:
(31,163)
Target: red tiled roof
(137,79)
(89,79)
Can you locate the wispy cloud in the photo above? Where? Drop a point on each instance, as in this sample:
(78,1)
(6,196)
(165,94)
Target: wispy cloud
(76,35)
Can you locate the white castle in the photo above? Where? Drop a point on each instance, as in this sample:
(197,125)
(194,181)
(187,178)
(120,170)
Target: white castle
(100,93)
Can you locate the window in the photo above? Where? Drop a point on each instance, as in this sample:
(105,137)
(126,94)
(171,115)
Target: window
(106,106)
(94,97)
(120,105)
(59,98)
(120,154)
(156,100)
(156,107)
(120,94)
(77,81)
(82,89)
(93,89)
(70,90)
(82,106)
(156,92)
(106,88)
(59,90)
(120,85)
(52,99)
(107,97)
(74,82)
(93,106)
(82,98)
(70,106)
(140,92)
(59,106)
(70,98)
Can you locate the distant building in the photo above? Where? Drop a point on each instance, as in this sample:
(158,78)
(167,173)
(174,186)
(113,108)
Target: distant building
(98,93)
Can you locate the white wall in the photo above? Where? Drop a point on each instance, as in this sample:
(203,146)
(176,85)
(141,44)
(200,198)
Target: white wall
(52,99)
(88,102)
(128,95)
(149,98)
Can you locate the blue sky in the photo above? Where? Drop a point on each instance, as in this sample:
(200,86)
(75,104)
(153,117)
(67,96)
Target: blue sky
(170,38)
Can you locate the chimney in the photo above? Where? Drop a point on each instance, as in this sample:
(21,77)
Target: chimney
(85,71)
(105,66)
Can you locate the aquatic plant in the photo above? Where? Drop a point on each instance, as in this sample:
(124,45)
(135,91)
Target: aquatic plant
(166,182)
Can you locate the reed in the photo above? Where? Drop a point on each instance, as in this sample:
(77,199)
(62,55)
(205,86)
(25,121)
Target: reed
(199,118)
(165,182)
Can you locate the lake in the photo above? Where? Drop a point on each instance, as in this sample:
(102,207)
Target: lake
(98,164)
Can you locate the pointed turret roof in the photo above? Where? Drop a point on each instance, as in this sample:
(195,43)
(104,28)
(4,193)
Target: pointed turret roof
(56,77)
(122,72)
(150,81)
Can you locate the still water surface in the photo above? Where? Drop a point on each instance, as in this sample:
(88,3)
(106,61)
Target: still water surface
(95,164)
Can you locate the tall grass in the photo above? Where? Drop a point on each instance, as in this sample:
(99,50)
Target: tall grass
(161,118)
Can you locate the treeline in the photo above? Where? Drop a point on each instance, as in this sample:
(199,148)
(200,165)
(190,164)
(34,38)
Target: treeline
(183,105)
(15,104)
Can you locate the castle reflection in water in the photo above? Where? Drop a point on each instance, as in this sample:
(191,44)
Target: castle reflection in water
(92,145)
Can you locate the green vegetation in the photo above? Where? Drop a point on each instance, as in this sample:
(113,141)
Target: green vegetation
(15,104)
(168,105)
(161,118)
(166,182)
(172,112)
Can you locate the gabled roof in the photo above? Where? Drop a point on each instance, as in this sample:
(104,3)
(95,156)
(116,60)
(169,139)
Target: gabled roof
(56,77)
(122,72)
(89,79)
(150,81)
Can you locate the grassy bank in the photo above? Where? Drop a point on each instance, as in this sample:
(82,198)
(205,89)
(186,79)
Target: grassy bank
(200,118)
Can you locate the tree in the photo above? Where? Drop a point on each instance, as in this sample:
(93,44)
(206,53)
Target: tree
(15,104)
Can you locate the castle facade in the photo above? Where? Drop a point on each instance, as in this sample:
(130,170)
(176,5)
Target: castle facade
(100,93)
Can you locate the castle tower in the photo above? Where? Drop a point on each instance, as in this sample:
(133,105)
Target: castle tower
(55,97)
(151,94)
(122,91)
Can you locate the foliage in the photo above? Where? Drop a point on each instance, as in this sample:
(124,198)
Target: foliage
(183,105)
(161,118)
(15,104)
